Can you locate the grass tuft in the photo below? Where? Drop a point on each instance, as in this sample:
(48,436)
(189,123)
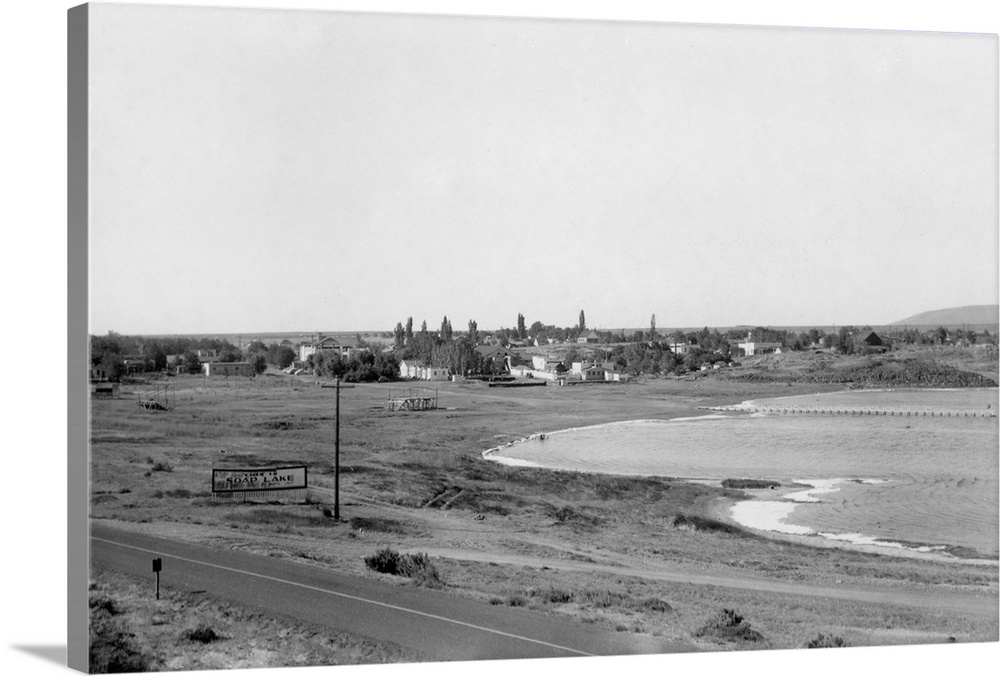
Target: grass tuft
(202,634)
(417,567)
(704,523)
(825,641)
(729,625)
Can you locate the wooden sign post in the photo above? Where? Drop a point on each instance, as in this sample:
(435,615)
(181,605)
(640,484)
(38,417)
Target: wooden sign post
(157,567)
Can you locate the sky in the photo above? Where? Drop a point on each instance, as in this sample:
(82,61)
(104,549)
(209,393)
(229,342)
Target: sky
(266,170)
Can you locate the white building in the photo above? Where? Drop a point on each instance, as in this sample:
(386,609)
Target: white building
(422,372)
(227,368)
(751,348)
(593,372)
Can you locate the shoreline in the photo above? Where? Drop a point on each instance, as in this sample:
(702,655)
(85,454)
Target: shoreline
(767,517)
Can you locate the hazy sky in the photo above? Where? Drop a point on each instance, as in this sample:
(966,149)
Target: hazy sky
(268,170)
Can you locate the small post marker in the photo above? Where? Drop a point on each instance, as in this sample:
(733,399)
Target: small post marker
(157,567)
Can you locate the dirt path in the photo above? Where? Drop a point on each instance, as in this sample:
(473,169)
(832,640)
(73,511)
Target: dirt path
(979,604)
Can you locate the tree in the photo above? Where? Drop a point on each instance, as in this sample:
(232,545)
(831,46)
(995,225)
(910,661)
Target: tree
(281,356)
(398,336)
(259,363)
(408,334)
(192,363)
(582,325)
(446,329)
(113,366)
(522,333)
(652,327)
(256,346)
(473,331)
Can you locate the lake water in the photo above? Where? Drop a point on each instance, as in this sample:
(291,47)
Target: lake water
(912,482)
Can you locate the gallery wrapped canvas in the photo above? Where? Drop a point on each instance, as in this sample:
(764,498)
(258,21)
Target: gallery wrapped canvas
(430,339)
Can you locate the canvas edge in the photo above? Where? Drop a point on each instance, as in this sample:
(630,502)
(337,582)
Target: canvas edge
(78,451)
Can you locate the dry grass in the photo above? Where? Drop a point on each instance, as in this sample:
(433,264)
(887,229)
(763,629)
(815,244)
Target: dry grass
(192,631)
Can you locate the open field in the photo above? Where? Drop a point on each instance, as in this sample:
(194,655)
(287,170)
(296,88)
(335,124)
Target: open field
(638,554)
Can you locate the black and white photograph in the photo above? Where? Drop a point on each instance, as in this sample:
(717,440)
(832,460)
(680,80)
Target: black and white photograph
(447,336)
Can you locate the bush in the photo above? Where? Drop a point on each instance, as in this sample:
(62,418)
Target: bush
(417,567)
(554,595)
(384,561)
(749,483)
(656,605)
(202,634)
(100,603)
(824,641)
(376,524)
(728,625)
(162,467)
(694,522)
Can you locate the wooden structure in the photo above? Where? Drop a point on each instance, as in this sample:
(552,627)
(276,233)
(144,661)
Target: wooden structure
(103,389)
(156,399)
(421,399)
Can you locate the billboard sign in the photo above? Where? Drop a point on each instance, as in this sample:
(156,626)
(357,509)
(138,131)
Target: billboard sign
(259,482)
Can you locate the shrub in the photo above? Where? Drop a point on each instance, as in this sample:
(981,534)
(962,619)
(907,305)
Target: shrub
(162,467)
(702,523)
(603,598)
(568,515)
(202,634)
(417,567)
(554,595)
(384,561)
(376,524)
(101,603)
(656,605)
(824,641)
(749,483)
(728,625)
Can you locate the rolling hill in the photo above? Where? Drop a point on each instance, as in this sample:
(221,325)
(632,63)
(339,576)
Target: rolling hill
(955,316)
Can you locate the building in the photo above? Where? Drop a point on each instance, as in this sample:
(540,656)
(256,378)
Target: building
(589,337)
(751,347)
(871,339)
(413,370)
(433,373)
(497,355)
(345,346)
(408,369)
(679,348)
(871,342)
(228,368)
(541,363)
(593,372)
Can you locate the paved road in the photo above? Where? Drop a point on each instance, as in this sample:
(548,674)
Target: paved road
(439,626)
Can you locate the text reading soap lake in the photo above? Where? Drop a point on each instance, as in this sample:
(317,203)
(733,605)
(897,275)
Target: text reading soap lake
(939,475)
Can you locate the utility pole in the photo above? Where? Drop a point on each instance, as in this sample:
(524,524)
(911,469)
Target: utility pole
(336,452)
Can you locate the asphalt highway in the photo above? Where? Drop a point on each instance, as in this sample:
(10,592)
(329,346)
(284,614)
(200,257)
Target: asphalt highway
(439,626)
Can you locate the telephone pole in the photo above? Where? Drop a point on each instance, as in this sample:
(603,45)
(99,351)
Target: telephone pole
(336,451)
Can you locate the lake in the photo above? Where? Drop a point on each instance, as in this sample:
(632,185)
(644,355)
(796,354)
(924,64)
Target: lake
(915,482)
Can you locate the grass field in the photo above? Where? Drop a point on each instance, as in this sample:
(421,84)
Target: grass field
(599,548)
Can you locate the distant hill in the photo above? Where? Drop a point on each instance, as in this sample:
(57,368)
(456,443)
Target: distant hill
(988,315)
